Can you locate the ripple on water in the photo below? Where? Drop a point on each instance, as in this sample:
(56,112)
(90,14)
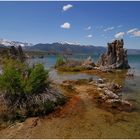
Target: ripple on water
(59,77)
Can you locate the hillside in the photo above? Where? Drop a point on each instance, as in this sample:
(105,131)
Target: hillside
(68,48)
(59,48)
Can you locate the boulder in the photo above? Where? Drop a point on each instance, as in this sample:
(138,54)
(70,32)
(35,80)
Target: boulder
(115,57)
(108,98)
(119,104)
(114,87)
(100,81)
(110,94)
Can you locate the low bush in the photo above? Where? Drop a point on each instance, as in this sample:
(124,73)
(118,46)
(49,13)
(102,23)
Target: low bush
(60,62)
(25,91)
(37,80)
(19,78)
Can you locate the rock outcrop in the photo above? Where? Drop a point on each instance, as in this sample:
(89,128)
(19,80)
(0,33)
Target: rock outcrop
(88,63)
(17,53)
(115,57)
(72,63)
(109,96)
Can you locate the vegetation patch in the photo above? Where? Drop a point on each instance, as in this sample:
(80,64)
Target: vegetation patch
(60,62)
(70,65)
(26,91)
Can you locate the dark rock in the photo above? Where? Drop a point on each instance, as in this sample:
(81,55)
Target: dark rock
(17,53)
(115,57)
(115,87)
(100,81)
(13,51)
(130,74)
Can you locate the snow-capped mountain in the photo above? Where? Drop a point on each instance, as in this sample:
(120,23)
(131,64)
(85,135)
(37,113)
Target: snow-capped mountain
(8,43)
(69,48)
(69,43)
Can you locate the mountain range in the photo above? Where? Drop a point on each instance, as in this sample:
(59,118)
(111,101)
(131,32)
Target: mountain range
(68,48)
(8,43)
(60,47)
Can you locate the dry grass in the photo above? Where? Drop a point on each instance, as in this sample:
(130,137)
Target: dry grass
(21,107)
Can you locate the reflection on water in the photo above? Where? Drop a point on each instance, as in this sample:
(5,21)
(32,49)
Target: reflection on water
(59,77)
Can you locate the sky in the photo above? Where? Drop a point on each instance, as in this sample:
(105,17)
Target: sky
(87,23)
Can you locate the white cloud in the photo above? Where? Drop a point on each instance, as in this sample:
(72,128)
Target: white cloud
(88,28)
(66,25)
(89,36)
(119,35)
(136,33)
(108,29)
(131,31)
(67,7)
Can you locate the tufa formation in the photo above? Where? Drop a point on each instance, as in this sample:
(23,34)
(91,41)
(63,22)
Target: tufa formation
(115,57)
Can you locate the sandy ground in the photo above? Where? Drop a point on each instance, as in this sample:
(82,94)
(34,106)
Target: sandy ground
(79,118)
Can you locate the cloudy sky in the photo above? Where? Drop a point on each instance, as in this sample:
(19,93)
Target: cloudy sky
(94,23)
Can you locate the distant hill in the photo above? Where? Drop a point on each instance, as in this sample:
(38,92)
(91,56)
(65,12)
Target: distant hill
(133,51)
(68,48)
(74,48)
(59,48)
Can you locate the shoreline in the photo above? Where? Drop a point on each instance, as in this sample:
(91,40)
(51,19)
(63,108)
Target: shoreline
(81,109)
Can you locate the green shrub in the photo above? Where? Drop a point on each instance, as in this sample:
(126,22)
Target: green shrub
(37,79)
(60,61)
(24,87)
(19,78)
(10,79)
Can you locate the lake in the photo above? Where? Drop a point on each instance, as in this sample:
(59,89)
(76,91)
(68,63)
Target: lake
(131,85)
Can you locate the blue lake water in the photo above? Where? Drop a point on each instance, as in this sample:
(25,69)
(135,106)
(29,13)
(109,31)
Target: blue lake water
(131,85)
(49,61)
